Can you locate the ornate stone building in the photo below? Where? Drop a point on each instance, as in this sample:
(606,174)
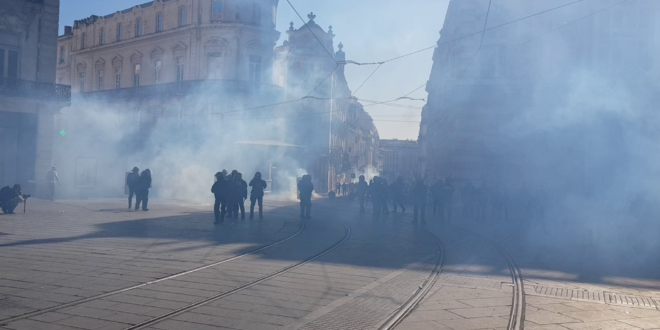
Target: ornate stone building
(493,101)
(29,97)
(400,158)
(340,136)
(227,42)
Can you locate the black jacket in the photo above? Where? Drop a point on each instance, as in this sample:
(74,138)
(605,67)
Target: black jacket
(132,180)
(258,187)
(220,189)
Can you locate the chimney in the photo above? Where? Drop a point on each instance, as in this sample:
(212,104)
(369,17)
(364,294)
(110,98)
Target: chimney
(68,30)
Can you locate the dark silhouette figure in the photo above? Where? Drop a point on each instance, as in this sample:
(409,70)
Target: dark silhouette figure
(132,180)
(482,201)
(468,199)
(384,195)
(232,194)
(240,190)
(362,190)
(338,188)
(344,189)
(306,187)
(257,194)
(142,192)
(52,178)
(396,190)
(419,195)
(374,192)
(10,198)
(220,189)
(437,191)
(447,199)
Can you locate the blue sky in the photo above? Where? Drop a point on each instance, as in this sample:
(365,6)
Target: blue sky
(371,31)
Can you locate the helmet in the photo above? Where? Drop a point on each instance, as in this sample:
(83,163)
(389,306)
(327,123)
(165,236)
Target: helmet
(135,169)
(219,175)
(258,174)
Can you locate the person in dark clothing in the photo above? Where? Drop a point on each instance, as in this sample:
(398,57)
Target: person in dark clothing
(447,199)
(468,200)
(10,198)
(232,199)
(241,191)
(257,194)
(437,191)
(362,190)
(482,201)
(420,194)
(219,190)
(384,195)
(132,181)
(142,191)
(306,187)
(396,190)
(374,192)
(338,188)
(344,189)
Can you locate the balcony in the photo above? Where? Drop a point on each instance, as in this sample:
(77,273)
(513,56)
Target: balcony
(35,91)
(189,87)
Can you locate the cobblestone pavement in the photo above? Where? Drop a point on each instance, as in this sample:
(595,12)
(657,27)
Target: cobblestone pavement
(95,265)
(474,291)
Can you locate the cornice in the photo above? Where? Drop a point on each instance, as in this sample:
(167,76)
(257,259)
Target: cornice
(170,33)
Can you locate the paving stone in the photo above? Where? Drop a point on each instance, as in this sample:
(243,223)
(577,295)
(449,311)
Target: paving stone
(545,317)
(600,325)
(482,311)
(644,322)
(476,323)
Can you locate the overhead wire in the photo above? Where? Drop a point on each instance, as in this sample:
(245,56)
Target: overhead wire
(418,51)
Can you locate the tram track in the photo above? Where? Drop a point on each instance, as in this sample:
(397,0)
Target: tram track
(4,322)
(518,305)
(517,313)
(155,320)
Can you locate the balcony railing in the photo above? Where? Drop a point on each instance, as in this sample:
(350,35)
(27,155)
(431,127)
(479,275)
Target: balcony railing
(188,87)
(35,90)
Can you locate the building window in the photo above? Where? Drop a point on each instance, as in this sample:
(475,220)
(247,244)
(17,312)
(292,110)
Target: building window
(179,69)
(8,63)
(81,79)
(117,77)
(136,75)
(158,65)
(255,68)
(61,54)
(159,22)
(182,16)
(119,31)
(100,77)
(102,37)
(256,14)
(215,66)
(216,12)
(138,27)
(83,40)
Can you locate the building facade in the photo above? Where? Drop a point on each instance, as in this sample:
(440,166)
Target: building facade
(487,93)
(400,158)
(29,97)
(340,136)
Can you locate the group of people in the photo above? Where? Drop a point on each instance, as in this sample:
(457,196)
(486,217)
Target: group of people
(139,185)
(400,192)
(230,193)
